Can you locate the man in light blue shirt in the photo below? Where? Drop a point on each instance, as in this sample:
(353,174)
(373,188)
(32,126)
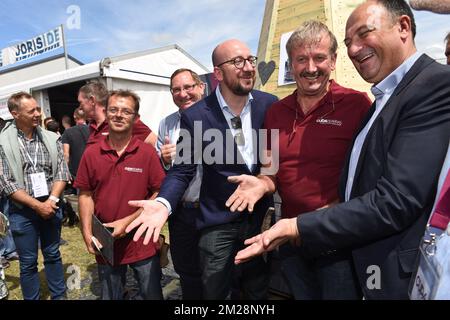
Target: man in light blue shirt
(186,88)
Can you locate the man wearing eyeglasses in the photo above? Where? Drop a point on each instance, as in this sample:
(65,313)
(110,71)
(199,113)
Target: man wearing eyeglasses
(187,89)
(93,98)
(316,124)
(388,184)
(113,171)
(233,110)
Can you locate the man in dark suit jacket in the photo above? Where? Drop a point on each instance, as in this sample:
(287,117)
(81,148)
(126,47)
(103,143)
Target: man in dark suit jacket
(217,132)
(390,178)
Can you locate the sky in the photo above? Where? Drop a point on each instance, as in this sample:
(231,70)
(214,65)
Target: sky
(107,28)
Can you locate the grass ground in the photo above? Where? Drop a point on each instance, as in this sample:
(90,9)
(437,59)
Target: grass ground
(79,266)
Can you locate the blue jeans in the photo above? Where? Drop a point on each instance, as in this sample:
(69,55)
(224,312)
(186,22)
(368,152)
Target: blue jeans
(146,272)
(328,277)
(218,246)
(28,228)
(184,239)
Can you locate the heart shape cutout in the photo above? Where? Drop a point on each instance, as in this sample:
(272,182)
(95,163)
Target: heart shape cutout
(265,70)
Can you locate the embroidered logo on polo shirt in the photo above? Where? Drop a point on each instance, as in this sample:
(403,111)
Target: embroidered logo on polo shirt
(135,170)
(329,122)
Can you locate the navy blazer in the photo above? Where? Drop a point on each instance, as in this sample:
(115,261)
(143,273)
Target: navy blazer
(215,189)
(394,186)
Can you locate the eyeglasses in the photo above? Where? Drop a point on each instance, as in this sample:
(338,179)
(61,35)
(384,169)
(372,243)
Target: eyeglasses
(125,112)
(188,88)
(239,62)
(236,124)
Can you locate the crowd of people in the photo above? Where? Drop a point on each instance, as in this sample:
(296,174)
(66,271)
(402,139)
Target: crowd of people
(357,178)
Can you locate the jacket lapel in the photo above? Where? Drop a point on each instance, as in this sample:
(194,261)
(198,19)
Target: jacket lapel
(418,66)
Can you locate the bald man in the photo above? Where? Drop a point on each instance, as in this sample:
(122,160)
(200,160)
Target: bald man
(231,114)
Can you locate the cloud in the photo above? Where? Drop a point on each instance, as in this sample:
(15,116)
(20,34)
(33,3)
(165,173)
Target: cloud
(431,31)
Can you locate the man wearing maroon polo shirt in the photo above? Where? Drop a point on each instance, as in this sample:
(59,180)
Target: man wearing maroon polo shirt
(117,169)
(316,126)
(93,98)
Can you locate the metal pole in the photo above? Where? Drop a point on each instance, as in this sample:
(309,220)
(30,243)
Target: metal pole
(65,47)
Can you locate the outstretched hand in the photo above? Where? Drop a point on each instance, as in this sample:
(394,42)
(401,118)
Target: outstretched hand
(150,221)
(249,191)
(281,232)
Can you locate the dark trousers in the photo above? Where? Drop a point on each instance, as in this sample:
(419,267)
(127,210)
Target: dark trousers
(184,238)
(328,277)
(28,228)
(146,272)
(218,247)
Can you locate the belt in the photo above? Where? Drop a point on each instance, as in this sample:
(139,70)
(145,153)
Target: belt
(42,199)
(190,205)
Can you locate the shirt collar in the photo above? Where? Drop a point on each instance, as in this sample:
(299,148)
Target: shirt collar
(388,84)
(333,95)
(21,134)
(96,128)
(132,146)
(223,104)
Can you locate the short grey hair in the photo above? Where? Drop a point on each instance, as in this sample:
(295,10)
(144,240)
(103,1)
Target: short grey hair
(310,32)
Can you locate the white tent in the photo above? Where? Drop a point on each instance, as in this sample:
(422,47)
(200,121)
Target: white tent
(147,73)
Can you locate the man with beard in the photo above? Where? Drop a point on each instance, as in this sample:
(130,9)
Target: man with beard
(317,124)
(230,113)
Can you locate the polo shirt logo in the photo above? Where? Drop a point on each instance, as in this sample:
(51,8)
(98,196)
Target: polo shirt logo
(135,170)
(329,122)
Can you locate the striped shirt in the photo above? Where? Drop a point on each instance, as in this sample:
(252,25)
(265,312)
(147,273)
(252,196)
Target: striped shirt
(28,149)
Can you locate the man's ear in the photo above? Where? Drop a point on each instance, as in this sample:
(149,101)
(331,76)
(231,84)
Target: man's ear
(14,113)
(218,73)
(202,85)
(405,26)
(92,100)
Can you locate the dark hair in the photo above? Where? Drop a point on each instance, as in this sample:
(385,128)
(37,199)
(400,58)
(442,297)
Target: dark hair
(127,94)
(53,126)
(48,120)
(14,100)
(399,8)
(447,37)
(193,74)
(96,90)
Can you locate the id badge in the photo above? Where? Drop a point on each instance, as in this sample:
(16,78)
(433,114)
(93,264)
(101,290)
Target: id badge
(39,184)
(427,278)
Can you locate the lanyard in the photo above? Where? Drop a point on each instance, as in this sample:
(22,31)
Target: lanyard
(33,163)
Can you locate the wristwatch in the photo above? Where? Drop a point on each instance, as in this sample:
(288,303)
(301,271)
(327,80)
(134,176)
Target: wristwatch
(54,199)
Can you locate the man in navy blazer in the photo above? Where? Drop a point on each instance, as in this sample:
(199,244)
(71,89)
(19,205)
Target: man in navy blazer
(389,181)
(217,132)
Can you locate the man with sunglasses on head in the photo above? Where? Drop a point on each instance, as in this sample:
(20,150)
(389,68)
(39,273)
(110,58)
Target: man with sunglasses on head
(231,113)
(316,126)
(116,169)
(187,89)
